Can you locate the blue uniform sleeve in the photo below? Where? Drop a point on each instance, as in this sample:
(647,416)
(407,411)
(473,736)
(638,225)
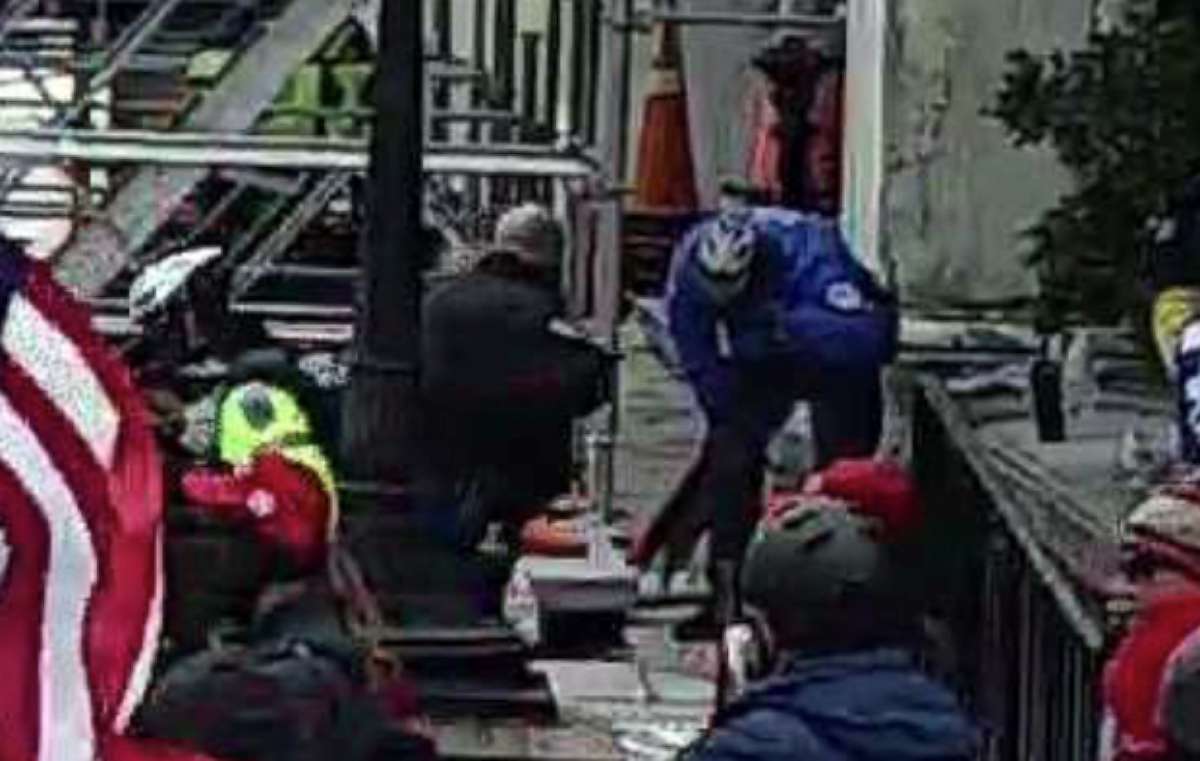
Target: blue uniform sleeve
(692,321)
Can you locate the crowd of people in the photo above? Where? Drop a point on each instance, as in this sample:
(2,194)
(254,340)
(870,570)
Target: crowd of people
(814,606)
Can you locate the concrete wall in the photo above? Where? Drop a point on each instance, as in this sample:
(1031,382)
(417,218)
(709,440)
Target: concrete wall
(952,196)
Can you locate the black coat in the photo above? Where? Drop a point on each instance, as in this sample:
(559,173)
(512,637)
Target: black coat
(500,390)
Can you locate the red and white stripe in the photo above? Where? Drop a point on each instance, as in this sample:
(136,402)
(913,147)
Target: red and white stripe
(81,520)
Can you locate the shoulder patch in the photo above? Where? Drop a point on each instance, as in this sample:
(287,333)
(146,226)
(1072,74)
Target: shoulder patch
(845,296)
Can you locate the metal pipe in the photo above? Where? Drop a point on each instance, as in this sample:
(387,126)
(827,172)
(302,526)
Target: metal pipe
(19,148)
(504,62)
(380,441)
(579,42)
(267,309)
(479,55)
(308,270)
(14,12)
(530,48)
(625,99)
(593,105)
(646,19)
(443,23)
(554,22)
(128,43)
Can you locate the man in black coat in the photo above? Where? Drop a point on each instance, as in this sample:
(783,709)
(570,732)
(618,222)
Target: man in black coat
(503,377)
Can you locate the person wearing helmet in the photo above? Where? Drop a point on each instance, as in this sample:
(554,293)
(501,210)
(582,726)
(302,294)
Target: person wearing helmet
(503,377)
(274,475)
(180,304)
(767,307)
(838,682)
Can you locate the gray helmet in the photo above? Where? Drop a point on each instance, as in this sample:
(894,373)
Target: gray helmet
(818,565)
(725,252)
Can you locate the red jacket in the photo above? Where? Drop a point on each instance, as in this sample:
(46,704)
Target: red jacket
(1133,678)
(285,502)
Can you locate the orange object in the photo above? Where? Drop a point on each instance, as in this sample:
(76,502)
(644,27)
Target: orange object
(549,538)
(666,177)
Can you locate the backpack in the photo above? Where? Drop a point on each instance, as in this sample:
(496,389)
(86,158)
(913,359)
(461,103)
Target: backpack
(280,701)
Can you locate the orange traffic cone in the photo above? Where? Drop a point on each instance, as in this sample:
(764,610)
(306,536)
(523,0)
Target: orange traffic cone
(666,177)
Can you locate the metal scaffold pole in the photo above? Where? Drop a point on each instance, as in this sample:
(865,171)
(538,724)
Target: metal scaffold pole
(380,430)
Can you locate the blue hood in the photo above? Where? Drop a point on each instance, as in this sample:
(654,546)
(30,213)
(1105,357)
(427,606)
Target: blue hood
(872,706)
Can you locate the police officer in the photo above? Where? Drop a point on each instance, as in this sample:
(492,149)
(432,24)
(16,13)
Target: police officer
(767,307)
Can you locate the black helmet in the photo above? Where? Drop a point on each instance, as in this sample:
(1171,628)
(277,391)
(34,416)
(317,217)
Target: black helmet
(821,570)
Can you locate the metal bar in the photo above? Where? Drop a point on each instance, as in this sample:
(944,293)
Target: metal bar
(443,27)
(475,117)
(280,183)
(595,54)
(286,234)
(578,47)
(249,85)
(267,309)
(504,61)
(554,23)
(479,61)
(644,19)
(259,227)
(310,270)
(130,40)
(14,12)
(186,149)
(209,220)
(531,43)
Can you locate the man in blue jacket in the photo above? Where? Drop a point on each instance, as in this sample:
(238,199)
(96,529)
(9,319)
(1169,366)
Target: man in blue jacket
(841,684)
(766,307)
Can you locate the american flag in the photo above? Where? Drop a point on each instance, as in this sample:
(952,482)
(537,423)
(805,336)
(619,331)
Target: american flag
(81,500)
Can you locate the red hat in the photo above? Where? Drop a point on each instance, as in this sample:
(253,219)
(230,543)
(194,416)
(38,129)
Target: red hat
(879,489)
(1134,677)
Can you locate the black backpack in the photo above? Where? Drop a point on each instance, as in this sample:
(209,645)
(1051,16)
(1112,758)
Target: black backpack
(275,702)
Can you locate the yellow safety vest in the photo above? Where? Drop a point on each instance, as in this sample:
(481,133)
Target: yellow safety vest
(287,430)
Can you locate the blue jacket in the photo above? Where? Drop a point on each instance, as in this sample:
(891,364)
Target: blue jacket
(809,305)
(872,706)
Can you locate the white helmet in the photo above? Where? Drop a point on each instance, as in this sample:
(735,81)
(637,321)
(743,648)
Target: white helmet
(160,282)
(726,251)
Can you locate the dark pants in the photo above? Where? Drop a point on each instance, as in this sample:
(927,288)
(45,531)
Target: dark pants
(481,466)
(727,480)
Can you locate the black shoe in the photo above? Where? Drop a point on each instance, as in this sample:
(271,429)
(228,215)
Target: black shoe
(702,627)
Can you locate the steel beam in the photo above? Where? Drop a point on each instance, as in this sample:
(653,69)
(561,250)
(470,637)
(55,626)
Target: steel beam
(278,243)
(12,13)
(171,150)
(252,83)
(645,19)
(130,41)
